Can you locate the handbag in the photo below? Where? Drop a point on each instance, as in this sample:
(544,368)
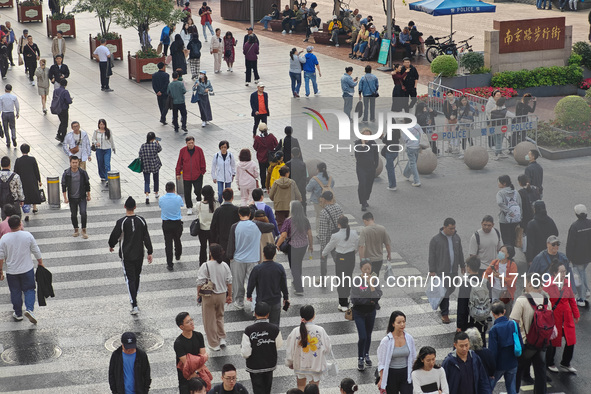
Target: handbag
(389,271)
(424,141)
(517,350)
(332,368)
(195,97)
(20,60)
(285,246)
(93,147)
(159,48)
(42,197)
(215,50)
(505,297)
(228,53)
(136,165)
(208,287)
(195,227)
(349,314)
(255,178)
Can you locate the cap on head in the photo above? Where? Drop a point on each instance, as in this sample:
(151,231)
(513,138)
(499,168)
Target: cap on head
(261,85)
(130,203)
(128,340)
(551,239)
(249,28)
(580,209)
(263,127)
(203,72)
(309,48)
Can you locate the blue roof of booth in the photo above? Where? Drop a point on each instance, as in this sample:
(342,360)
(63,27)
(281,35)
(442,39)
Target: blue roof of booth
(451,7)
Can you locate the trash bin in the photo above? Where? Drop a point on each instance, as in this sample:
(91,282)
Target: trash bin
(53,191)
(114,185)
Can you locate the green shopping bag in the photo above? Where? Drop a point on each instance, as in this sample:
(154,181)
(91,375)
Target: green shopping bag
(136,165)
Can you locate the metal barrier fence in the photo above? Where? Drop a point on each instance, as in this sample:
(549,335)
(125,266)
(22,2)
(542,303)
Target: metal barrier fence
(437,97)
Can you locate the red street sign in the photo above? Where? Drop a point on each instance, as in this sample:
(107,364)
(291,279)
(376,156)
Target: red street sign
(504,129)
(483,108)
(434,137)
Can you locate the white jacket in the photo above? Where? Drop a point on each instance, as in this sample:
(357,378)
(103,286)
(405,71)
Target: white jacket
(223,170)
(313,361)
(385,351)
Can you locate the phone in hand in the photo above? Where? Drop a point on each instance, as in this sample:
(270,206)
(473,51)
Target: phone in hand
(286,306)
(158,139)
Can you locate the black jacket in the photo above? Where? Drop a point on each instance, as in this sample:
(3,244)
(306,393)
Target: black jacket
(286,145)
(270,282)
(56,73)
(134,231)
(67,182)
(535,173)
(239,389)
(367,159)
(538,230)
(160,81)
(578,243)
(221,223)
(299,173)
(141,369)
(254,104)
(528,197)
(44,286)
(263,344)
(439,254)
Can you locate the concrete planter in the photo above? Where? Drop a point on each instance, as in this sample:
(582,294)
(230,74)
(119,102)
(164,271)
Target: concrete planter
(457,83)
(586,73)
(66,26)
(6,3)
(26,14)
(582,92)
(142,69)
(549,91)
(460,82)
(564,154)
(115,46)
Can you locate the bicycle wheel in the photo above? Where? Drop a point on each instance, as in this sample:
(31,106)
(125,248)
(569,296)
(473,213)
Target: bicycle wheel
(432,53)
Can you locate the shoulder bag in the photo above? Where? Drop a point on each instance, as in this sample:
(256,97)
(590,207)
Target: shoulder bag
(255,178)
(208,287)
(336,228)
(195,227)
(424,141)
(516,341)
(332,368)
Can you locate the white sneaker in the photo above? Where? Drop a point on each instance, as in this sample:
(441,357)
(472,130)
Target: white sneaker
(496,158)
(283,32)
(588,294)
(231,70)
(336,45)
(461,156)
(222,342)
(569,369)
(330,40)
(29,315)
(552,368)
(317,93)
(215,349)
(291,32)
(391,188)
(581,303)
(156,195)
(256,81)
(33,83)
(416,184)
(190,211)
(343,308)
(203,124)
(17,318)
(134,311)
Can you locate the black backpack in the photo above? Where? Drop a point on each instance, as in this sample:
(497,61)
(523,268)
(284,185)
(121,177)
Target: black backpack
(195,50)
(6,196)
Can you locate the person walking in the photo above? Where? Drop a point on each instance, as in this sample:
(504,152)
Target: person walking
(179,55)
(310,68)
(509,201)
(191,166)
(247,176)
(176,89)
(16,248)
(58,71)
(27,169)
(373,238)
(502,270)
(367,159)
(462,378)
(364,299)
(316,186)
(10,41)
(348,84)
(206,21)
(223,168)
(14,195)
(58,45)
(502,345)
(578,250)
(31,55)
(3,56)
(194,47)
(259,104)
(76,191)
(263,144)
(487,357)
(327,224)
(223,219)
(167,32)
(295,70)
(10,109)
(216,48)
(203,90)
(368,88)
(390,152)
(538,230)
(61,101)
(217,272)
(104,144)
(261,356)
(259,204)
(522,110)
(42,74)
(445,256)
(282,193)
(205,210)
(189,342)
(229,53)
(22,42)
(77,143)
(298,171)
(103,55)
(129,368)
(427,376)
(131,232)
(485,243)
(269,281)
(250,49)
(529,195)
(396,355)
(151,163)
(307,349)
(534,170)
(287,143)
(160,81)
(172,224)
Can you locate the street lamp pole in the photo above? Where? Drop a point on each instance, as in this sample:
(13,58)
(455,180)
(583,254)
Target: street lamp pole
(388,67)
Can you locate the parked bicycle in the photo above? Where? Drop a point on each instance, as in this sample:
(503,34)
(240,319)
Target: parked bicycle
(465,46)
(437,47)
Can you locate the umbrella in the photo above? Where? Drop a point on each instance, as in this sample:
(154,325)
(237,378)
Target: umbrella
(451,7)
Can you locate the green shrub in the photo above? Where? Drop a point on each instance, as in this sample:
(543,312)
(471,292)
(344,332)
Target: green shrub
(588,96)
(108,36)
(472,61)
(541,76)
(482,70)
(446,65)
(575,59)
(147,54)
(572,113)
(584,50)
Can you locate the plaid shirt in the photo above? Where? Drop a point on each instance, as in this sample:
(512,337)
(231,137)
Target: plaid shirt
(149,156)
(327,222)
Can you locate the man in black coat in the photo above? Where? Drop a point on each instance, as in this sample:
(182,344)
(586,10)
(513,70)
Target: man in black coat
(367,157)
(223,219)
(259,113)
(299,172)
(129,368)
(534,171)
(288,143)
(58,71)
(160,81)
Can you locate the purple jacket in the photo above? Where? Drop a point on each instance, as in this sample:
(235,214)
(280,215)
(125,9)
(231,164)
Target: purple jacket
(250,51)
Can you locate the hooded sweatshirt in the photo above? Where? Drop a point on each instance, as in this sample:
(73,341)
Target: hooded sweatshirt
(503,197)
(283,192)
(538,230)
(243,178)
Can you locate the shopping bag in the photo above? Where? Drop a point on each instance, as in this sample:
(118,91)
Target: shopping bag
(42,197)
(136,165)
(435,291)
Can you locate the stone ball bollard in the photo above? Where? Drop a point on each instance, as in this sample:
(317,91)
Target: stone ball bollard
(312,167)
(380,167)
(476,157)
(427,161)
(521,150)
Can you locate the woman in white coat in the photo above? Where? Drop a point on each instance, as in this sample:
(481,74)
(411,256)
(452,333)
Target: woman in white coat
(223,168)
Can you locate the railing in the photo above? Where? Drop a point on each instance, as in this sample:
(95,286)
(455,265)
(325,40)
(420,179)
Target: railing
(437,97)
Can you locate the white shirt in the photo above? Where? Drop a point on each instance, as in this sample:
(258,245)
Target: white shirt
(8,103)
(503,273)
(71,140)
(103,53)
(60,44)
(489,246)
(15,249)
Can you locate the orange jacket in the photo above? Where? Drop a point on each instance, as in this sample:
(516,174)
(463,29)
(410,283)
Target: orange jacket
(510,276)
(196,364)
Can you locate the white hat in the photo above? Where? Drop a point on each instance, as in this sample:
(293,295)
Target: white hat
(580,208)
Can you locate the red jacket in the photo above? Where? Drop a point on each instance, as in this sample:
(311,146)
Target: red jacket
(565,313)
(196,364)
(510,276)
(192,166)
(262,145)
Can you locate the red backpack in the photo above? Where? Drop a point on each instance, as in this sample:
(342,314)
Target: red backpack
(542,326)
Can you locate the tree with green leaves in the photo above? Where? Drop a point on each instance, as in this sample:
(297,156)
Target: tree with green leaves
(58,9)
(141,14)
(104,11)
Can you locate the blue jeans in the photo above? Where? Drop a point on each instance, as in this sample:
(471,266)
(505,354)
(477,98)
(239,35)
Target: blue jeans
(498,144)
(364,323)
(509,379)
(584,287)
(147,182)
(542,4)
(360,46)
(411,166)
(221,187)
(390,157)
(308,76)
(19,284)
(207,24)
(103,159)
(266,20)
(296,82)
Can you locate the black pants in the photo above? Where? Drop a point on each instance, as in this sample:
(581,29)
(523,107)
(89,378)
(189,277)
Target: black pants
(536,357)
(10,47)
(397,382)
(251,65)
(63,127)
(74,204)
(369,107)
(508,233)
(162,106)
(261,382)
(175,116)
(567,355)
(263,172)
(31,66)
(366,177)
(3,65)
(132,270)
(204,239)
(376,266)
(258,119)
(172,229)
(412,93)
(344,266)
(196,185)
(104,78)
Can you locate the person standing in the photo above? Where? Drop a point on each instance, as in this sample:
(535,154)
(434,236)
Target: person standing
(501,343)
(538,230)
(261,356)
(250,49)
(373,238)
(263,145)
(298,171)
(223,219)
(534,170)
(445,256)
(287,143)
(259,204)
(282,193)
(229,53)
(464,369)
(167,32)
(229,382)
(131,232)
(129,368)
(259,104)
(188,342)
(58,45)
(8,106)
(529,195)
(150,163)
(204,90)
(176,89)
(368,88)
(485,243)
(10,41)
(205,210)
(295,71)
(160,81)
(103,141)
(31,54)
(42,74)
(16,248)
(578,250)
(247,176)
(216,271)
(206,21)
(250,33)
(191,164)
(172,224)
(27,169)
(390,152)
(77,143)
(310,68)
(223,168)
(76,191)
(103,55)
(194,48)
(348,84)
(367,159)
(216,48)
(410,81)
(509,202)
(22,41)
(427,375)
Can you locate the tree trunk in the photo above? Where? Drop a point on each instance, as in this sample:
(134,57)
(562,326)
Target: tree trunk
(336,9)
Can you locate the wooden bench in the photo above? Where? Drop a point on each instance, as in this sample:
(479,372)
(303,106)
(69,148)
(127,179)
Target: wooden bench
(275,25)
(321,37)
